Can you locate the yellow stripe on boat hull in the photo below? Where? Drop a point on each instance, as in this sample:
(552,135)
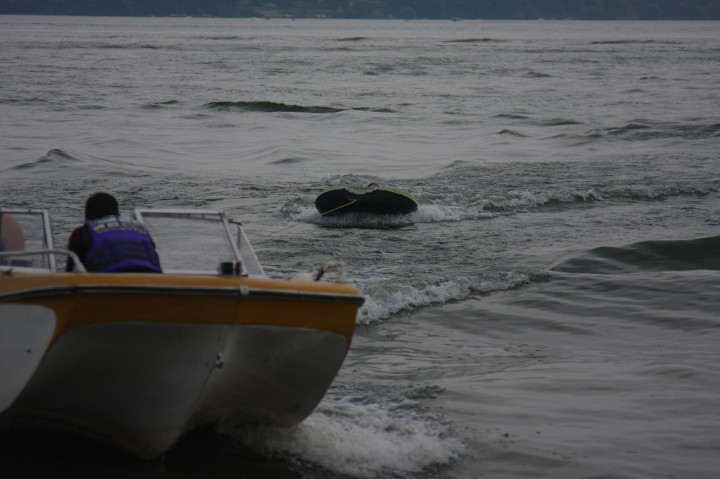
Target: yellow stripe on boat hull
(83,299)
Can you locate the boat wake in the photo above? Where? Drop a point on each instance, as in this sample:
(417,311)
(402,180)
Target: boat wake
(364,432)
(365,220)
(385,300)
(424,214)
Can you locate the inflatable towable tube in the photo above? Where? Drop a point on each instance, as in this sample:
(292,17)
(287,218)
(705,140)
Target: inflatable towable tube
(381,201)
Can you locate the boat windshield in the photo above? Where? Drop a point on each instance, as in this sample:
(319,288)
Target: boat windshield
(198,241)
(187,241)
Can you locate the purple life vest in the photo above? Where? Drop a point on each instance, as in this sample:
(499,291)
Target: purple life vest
(120,245)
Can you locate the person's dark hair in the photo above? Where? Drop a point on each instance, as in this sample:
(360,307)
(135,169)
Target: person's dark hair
(100,205)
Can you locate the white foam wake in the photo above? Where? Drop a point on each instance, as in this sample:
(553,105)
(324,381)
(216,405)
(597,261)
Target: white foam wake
(386,299)
(363,440)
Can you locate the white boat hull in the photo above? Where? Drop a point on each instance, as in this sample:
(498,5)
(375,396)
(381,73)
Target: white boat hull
(141,386)
(26,331)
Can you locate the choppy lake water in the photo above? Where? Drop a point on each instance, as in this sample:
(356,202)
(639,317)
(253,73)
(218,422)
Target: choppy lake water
(551,310)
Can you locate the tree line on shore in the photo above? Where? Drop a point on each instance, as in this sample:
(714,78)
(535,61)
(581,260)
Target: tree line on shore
(401,9)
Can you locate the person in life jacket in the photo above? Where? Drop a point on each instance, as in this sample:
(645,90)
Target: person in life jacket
(107,243)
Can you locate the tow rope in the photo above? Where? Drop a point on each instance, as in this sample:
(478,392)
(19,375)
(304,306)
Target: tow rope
(305,221)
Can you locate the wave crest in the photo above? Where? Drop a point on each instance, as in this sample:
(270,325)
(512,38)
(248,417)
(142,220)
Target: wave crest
(388,299)
(61,159)
(664,255)
(53,158)
(645,130)
(269,107)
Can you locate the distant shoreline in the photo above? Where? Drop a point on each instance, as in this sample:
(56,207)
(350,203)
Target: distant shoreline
(291,18)
(457,10)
